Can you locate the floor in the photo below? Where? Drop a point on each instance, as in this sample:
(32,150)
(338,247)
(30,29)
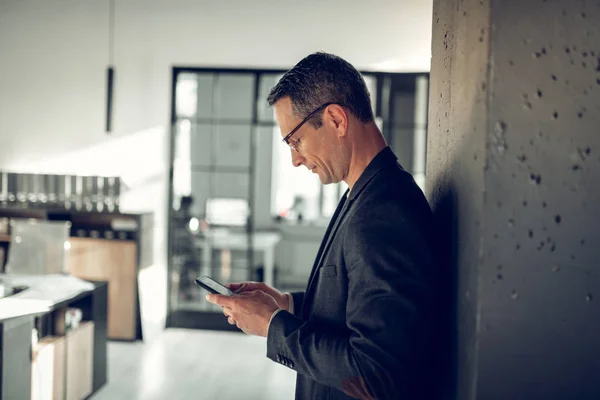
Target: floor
(192,364)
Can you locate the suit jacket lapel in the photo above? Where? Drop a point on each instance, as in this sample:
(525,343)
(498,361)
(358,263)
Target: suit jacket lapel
(328,234)
(328,239)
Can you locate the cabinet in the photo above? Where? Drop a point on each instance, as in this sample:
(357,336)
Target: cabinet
(80,348)
(113,261)
(59,366)
(15,361)
(48,369)
(63,366)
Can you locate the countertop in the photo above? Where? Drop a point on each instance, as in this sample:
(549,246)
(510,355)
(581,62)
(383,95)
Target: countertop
(43,294)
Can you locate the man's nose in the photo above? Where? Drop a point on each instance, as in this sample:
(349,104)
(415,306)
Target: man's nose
(296,158)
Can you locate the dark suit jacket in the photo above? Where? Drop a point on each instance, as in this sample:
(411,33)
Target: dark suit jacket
(364,326)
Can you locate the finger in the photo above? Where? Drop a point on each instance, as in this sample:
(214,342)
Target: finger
(223,301)
(227,311)
(250,293)
(235,286)
(231,321)
(245,287)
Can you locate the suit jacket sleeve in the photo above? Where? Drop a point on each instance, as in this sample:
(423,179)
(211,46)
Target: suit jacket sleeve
(387,263)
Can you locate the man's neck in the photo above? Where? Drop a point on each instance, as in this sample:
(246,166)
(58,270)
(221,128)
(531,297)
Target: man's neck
(369,142)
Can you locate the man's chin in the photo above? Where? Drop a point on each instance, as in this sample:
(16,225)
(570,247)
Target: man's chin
(327,180)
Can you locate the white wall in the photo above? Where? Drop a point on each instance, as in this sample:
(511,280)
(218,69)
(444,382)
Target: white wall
(152,36)
(54,54)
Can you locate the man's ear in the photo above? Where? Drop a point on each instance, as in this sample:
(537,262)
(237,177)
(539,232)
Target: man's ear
(337,116)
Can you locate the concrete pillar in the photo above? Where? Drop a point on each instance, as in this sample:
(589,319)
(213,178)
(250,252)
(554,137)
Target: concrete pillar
(513,171)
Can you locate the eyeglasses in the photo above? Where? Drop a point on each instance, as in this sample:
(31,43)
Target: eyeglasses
(294,145)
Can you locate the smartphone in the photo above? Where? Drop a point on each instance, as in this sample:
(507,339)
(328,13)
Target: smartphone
(213,286)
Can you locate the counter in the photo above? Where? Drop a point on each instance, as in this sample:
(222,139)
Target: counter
(16,336)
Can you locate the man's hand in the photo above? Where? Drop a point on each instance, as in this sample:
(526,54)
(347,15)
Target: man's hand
(250,311)
(281,299)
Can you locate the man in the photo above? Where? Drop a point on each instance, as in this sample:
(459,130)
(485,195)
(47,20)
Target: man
(364,326)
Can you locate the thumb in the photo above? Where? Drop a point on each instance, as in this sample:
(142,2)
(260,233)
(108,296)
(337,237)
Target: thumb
(218,299)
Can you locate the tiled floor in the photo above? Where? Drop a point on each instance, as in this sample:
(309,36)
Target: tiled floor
(191,364)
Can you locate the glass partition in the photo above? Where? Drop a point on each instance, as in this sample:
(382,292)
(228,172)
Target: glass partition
(232,183)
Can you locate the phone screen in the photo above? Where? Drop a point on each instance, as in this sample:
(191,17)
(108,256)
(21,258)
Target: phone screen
(213,286)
